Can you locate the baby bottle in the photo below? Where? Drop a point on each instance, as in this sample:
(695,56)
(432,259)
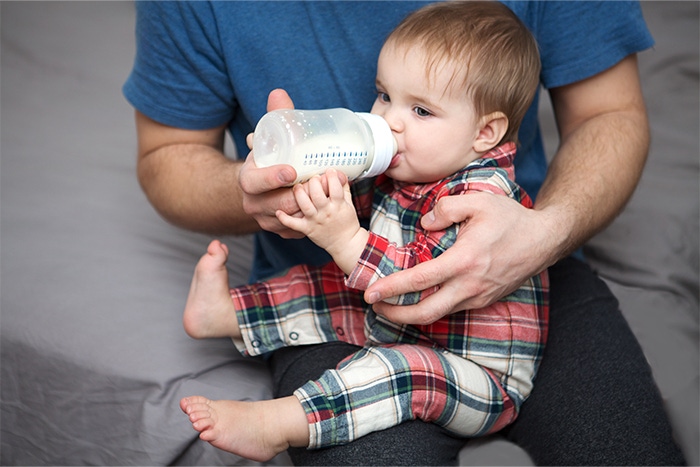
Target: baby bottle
(312,141)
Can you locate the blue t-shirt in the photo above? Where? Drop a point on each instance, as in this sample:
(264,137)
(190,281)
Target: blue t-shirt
(202,64)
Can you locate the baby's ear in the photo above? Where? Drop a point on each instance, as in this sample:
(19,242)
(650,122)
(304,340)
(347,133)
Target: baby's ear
(492,128)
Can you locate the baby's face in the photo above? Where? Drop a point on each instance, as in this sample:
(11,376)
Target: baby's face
(434,124)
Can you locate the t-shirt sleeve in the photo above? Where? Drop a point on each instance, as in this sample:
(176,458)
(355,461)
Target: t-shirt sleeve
(578,40)
(179,76)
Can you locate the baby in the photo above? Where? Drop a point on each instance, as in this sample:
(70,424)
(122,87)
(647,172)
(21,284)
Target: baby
(454,81)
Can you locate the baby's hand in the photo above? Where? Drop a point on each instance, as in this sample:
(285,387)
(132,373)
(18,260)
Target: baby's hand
(328,215)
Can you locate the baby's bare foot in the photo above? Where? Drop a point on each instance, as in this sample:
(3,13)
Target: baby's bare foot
(254,430)
(209,311)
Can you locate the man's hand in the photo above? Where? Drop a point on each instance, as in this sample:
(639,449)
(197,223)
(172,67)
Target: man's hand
(265,190)
(489,259)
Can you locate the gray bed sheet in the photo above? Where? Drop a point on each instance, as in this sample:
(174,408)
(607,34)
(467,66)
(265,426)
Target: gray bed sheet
(92,281)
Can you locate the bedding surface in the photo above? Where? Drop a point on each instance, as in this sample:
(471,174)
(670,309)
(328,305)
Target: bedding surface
(93,282)
(94,357)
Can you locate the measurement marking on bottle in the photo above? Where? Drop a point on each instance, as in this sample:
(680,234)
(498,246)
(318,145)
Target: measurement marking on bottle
(331,159)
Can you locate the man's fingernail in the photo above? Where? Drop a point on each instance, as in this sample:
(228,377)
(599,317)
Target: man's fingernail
(285,176)
(374,297)
(429,218)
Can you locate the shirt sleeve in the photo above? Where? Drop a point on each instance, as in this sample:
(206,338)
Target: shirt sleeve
(179,75)
(362,195)
(578,40)
(381,257)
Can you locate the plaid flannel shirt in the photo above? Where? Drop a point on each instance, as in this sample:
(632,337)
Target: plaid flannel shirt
(469,371)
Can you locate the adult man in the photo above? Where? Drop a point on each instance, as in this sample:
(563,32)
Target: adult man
(203,68)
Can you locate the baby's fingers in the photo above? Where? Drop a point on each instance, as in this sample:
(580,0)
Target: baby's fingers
(306,206)
(298,224)
(335,188)
(317,193)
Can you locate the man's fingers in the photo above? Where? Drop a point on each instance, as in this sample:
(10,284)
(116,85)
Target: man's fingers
(420,277)
(423,313)
(279,99)
(450,210)
(257,180)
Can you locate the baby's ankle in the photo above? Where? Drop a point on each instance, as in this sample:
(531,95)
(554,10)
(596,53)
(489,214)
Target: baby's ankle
(289,417)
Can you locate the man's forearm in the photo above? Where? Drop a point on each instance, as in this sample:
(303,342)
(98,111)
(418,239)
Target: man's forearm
(195,187)
(595,171)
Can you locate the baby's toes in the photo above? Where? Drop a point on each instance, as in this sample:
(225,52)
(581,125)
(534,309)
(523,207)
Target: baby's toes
(201,422)
(193,404)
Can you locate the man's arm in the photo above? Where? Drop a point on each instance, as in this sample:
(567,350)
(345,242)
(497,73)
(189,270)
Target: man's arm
(187,178)
(604,135)
(190,182)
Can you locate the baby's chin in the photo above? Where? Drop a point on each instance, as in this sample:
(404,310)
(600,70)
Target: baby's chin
(405,175)
(401,170)
(398,174)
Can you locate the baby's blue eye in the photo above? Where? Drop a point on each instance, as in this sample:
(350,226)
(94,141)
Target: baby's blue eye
(384,97)
(421,112)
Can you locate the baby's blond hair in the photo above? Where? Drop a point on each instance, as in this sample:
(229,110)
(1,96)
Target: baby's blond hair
(496,58)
